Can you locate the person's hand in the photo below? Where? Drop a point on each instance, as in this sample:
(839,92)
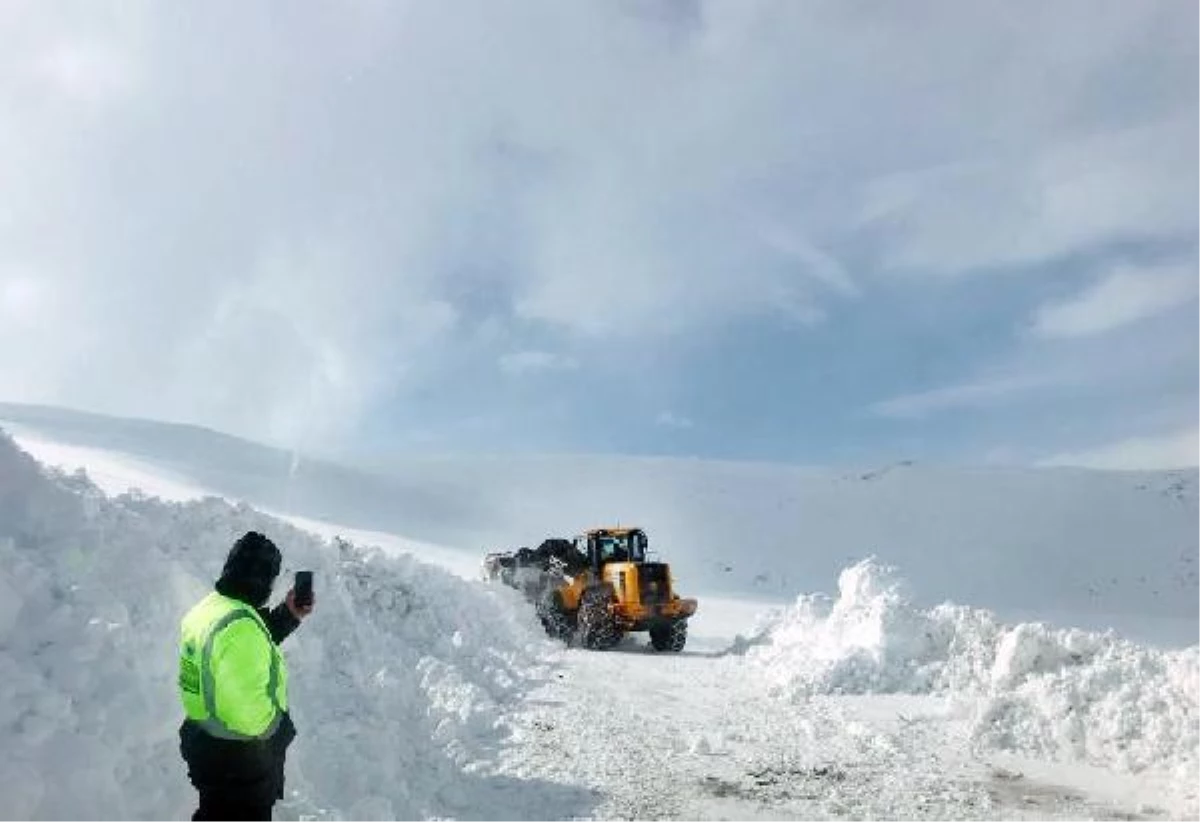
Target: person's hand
(299,612)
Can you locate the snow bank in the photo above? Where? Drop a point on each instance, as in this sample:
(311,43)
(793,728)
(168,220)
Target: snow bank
(1060,693)
(400,680)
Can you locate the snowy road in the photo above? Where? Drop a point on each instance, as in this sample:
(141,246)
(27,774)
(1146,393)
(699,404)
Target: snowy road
(691,737)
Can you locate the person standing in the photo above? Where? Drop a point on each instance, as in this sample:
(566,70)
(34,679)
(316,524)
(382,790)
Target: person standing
(233,685)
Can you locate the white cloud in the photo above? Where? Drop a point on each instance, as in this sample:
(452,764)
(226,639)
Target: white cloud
(1176,450)
(22,298)
(525,362)
(89,72)
(669,419)
(1124,297)
(1043,201)
(984,392)
(319,221)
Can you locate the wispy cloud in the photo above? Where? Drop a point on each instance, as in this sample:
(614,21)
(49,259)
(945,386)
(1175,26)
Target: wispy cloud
(669,419)
(526,362)
(1121,298)
(813,261)
(1004,209)
(967,395)
(1180,449)
(88,72)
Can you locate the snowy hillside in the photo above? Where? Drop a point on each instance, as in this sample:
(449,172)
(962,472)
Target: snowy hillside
(264,476)
(419,694)
(1045,542)
(398,686)
(1079,547)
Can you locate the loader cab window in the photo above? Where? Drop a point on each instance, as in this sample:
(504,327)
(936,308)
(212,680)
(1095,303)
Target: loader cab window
(636,542)
(612,549)
(630,547)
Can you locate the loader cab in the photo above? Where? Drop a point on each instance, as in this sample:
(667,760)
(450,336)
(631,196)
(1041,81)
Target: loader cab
(605,545)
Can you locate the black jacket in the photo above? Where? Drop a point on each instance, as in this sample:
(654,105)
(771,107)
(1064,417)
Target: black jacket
(280,621)
(249,771)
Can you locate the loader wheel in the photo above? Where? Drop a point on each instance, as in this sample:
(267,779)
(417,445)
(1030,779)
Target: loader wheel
(558,623)
(669,637)
(597,629)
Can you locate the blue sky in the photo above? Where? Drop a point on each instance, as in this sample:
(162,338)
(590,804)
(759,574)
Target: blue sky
(808,232)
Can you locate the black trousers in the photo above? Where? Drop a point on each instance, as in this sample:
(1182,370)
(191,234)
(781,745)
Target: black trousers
(235,779)
(223,807)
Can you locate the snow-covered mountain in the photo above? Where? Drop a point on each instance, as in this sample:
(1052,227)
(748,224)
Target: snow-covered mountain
(1098,548)
(421,693)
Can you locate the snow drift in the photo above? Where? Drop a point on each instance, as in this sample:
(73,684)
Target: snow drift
(399,680)
(1059,693)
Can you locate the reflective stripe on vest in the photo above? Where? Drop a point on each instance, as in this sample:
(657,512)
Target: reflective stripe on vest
(196,675)
(212,723)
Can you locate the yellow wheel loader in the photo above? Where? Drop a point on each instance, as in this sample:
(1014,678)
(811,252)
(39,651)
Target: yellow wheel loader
(599,588)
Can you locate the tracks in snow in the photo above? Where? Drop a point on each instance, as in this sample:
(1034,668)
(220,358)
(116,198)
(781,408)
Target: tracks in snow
(693,735)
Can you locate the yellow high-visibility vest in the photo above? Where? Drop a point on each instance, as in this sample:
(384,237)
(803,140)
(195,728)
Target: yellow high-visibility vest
(232,678)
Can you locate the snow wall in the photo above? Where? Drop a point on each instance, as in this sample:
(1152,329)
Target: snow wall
(400,679)
(1063,694)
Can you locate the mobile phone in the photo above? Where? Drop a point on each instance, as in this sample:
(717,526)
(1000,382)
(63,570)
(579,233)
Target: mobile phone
(304,589)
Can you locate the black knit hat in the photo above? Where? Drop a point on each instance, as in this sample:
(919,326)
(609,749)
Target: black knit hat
(251,568)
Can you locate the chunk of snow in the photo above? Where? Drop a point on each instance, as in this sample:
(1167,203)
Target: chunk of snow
(10,604)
